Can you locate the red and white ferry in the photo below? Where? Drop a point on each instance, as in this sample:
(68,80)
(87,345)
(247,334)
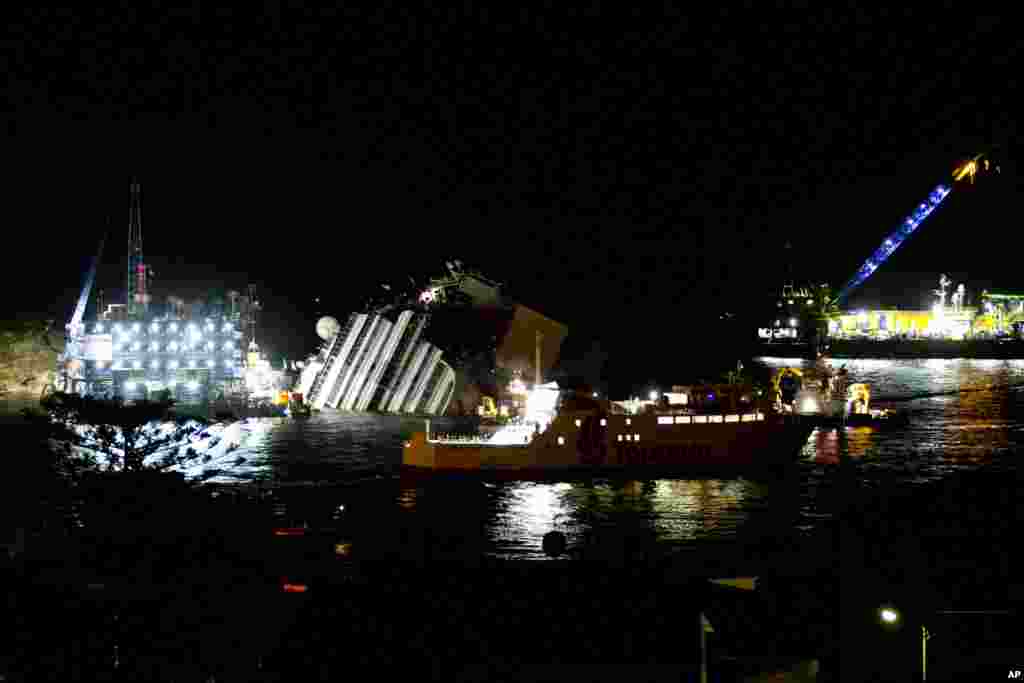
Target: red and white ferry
(596,439)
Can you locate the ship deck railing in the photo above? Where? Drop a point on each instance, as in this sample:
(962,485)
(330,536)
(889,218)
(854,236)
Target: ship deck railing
(523,434)
(510,435)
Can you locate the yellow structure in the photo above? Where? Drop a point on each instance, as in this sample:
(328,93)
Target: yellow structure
(859,399)
(1002,311)
(487,407)
(914,323)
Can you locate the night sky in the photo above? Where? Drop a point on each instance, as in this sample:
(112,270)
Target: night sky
(634,175)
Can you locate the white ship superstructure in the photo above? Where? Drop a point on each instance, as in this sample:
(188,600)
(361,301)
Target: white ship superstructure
(374,362)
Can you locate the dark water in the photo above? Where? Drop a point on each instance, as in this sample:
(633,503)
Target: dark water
(928,514)
(965,415)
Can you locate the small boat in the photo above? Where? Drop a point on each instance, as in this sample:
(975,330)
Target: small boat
(856,411)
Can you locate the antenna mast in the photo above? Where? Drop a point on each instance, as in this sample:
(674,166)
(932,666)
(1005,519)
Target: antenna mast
(137,296)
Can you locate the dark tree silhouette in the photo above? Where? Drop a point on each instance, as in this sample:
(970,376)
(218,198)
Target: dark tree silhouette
(123,431)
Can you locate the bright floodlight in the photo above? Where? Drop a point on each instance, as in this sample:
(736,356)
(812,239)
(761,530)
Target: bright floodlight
(129,386)
(889,615)
(654,395)
(192,386)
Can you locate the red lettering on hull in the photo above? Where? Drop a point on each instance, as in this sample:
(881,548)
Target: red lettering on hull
(655,454)
(662,454)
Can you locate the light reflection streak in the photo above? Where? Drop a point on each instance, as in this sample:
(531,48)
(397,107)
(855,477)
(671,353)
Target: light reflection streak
(533,509)
(676,510)
(408,497)
(829,445)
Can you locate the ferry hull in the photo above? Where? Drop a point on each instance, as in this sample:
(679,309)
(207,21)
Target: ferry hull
(607,445)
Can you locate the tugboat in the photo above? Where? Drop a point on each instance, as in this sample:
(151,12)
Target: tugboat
(586,435)
(824,399)
(857,411)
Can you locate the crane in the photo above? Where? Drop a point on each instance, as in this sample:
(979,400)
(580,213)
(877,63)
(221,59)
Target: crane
(75,325)
(74,328)
(965,171)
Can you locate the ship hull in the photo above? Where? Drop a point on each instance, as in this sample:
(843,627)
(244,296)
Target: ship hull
(909,349)
(594,444)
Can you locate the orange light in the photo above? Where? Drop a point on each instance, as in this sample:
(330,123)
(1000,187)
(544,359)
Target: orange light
(294,588)
(342,549)
(293,531)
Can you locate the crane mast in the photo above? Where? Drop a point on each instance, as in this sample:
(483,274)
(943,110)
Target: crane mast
(74,328)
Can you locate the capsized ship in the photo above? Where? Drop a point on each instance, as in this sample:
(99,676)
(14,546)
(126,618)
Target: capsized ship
(587,436)
(379,363)
(408,354)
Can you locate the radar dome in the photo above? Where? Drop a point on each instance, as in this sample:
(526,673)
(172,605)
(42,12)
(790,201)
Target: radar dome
(327,327)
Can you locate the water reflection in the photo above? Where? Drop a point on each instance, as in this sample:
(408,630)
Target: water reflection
(593,512)
(827,445)
(963,414)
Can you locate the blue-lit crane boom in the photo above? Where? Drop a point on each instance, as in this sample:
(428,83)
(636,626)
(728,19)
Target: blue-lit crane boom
(910,224)
(73,343)
(83,299)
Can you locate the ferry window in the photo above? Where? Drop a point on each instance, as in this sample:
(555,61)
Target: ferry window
(578,423)
(636,437)
(561,441)
(682,419)
(620,437)
(715,418)
(604,422)
(700,419)
(629,421)
(732,418)
(749,417)
(664,419)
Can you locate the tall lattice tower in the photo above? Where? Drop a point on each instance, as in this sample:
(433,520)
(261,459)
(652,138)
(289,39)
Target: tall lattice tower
(138,297)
